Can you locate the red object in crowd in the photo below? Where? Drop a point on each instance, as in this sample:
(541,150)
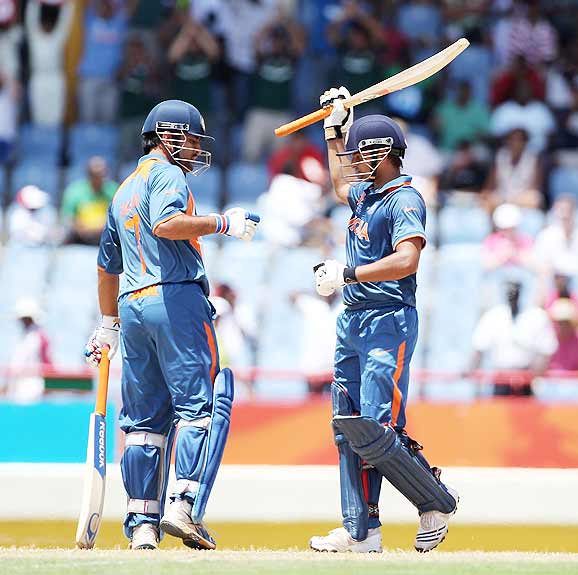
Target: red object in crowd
(505,85)
(296,153)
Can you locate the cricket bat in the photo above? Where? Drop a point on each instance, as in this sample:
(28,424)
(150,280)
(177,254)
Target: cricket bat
(95,471)
(404,79)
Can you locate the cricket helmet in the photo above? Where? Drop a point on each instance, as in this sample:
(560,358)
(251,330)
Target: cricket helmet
(172,121)
(369,141)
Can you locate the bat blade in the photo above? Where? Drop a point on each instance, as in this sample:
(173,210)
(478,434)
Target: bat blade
(94,483)
(404,79)
(417,73)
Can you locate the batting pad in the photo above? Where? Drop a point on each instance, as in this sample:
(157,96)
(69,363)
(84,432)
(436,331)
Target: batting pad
(223,394)
(381,447)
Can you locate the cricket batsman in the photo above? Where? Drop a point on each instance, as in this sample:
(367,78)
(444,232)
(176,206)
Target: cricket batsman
(376,333)
(171,382)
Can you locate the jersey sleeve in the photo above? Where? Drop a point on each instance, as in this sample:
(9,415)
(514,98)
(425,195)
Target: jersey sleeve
(109,253)
(408,218)
(169,195)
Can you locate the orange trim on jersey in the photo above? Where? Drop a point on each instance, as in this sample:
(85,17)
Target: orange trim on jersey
(191,212)
(397,397)
(142,170)
(168,218)
(212,348)
(409,238)
(145,292)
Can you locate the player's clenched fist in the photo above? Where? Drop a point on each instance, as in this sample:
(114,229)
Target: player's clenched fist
(328,277)
(237,222)
(107,334)
(337,124)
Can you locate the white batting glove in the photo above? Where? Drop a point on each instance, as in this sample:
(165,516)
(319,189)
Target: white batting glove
(328,277)
(237,222)
(337,124)
(107,334)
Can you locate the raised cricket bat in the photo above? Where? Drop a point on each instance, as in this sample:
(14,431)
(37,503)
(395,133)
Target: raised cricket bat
(404,79)
(95,473)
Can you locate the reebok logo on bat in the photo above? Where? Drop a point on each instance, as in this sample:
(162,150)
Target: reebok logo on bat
(101,445)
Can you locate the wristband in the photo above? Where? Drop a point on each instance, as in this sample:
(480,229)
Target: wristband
(349,275)
(222,224)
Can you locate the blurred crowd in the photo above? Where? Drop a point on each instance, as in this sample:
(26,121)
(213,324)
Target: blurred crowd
(495,132)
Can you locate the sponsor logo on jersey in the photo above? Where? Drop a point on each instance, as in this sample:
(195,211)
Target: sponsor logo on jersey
(359,228)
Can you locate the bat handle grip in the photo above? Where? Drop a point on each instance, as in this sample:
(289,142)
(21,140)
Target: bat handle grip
(102,389)
(303,122)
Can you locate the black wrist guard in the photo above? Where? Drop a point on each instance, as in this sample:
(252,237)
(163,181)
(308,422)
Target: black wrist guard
(349,275)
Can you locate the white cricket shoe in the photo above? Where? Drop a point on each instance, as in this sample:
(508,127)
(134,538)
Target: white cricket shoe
(339,540)
(145,536)
(178,523)
(433,527)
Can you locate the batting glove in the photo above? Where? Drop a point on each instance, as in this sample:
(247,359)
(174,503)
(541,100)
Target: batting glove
(328,277)
(337,124)
(107,334)
(238,223)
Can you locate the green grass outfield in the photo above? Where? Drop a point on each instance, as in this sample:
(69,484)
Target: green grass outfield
(23,561)
(280,536)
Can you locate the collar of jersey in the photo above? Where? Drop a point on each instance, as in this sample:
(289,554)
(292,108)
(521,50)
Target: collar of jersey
(156,156)
(391,186)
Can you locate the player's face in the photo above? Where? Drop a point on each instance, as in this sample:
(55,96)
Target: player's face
(191,148)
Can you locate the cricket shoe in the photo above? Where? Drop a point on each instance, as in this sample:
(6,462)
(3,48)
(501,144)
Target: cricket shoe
(339,540)
(145,536)
(178,523)
(433,527)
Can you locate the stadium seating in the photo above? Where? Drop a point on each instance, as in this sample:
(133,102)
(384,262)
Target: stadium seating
(246,182)
(459,224)
(563,180)
(40,144)
(45,177)
(86,140)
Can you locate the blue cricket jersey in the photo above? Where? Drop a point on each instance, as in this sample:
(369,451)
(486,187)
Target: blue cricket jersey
(381,219)
(154,193)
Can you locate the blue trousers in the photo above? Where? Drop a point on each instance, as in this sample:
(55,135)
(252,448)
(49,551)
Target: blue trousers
(169,360)
(372,356)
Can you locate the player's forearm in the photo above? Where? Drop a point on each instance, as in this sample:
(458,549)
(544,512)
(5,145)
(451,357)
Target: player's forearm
(393,267)
(340,187)
(108,293)
(185,227)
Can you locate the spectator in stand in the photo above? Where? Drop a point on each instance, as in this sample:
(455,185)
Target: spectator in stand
(519,72)
(305,157)
(358,39)
(85,204)
(32,221)
(30,356)
(237,331)
(564,315)
(524,112)
(139,91)
(507,246)
(516,174)
(10,37)
(47,28)
(104,33)
(278,48)
(556,247)
(192,55)
(461,118)
(512,339)
(567,136)
(465,172)
(8,116)
(423,162)
(531,35)
(237,23)
(291,209)
(317,346)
